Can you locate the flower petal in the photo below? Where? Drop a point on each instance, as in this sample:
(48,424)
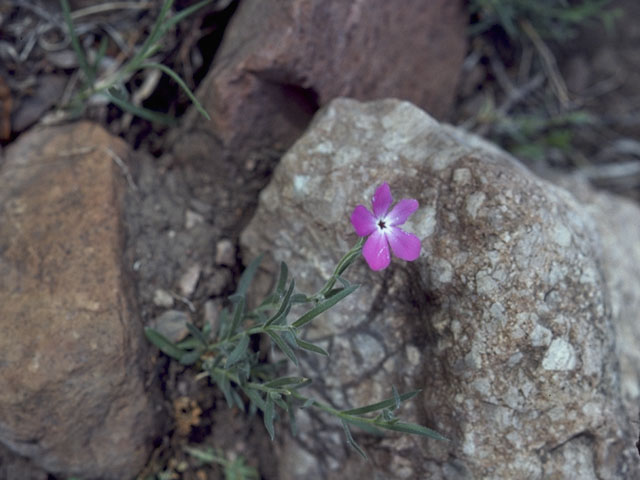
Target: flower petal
(381,200)
(404,245)
(363,221)
(403,210)
(376,251)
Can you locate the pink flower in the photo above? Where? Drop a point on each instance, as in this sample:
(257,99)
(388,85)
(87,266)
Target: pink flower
(382,228)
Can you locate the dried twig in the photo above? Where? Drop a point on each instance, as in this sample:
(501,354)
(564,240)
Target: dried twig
(549,63)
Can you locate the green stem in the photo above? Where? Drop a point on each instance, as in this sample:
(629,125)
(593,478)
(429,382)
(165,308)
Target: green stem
(344,263)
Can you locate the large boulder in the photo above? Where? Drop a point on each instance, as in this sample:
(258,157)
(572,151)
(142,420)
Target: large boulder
(74,394)
(281,60)
(508,320)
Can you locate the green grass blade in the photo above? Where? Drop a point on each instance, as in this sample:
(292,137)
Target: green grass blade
(141,111)
(151,40)
(180,82)
(75,42)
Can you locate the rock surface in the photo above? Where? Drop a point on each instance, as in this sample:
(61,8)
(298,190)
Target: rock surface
(73,396)
(280,60)
(508,320)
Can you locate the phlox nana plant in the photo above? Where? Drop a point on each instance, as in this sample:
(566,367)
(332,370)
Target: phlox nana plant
(226,357)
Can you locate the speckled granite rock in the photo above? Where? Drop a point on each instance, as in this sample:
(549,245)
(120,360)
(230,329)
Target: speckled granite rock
(507,320)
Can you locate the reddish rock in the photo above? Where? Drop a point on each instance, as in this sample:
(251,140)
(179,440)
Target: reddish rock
(73,396)
(281,60)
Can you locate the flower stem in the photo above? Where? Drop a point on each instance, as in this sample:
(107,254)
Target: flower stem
(344,263)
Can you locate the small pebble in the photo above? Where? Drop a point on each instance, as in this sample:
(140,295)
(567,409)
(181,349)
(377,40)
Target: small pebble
(162,298)
(192,219)
(172,324)
(211,314)
(189,280)
(217,282)
(225,253)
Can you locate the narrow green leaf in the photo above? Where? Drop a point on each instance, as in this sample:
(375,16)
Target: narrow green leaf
(163,343)
(236,298)
(292,421)
(75,42)
(206,330)
(333,292)
(285,306)
(224,324)
(299,298)
(141,112)
(189,358)
(380,405)
(352,442)
(206,456)
(225,385)
(308,403)
(151,40)
(238,315)
(255,398)
(323,306)
(269,415)
(413,429)
(396,397)
(282,278)
(183,14)
(290,338)
(195,331)
(311,347)
(363,424)
(303,384)
(351,257)
(102,50)
(247,276)
(277,398)
(189,343)
(286,382)
(238,351)
(238,399)
(181,84)
(282,345)
(271,299)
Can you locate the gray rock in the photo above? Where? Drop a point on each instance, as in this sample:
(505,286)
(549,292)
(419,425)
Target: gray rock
(162,298)
(507,321)
(225,253)
(189,280)
(172,324)
(74,396)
